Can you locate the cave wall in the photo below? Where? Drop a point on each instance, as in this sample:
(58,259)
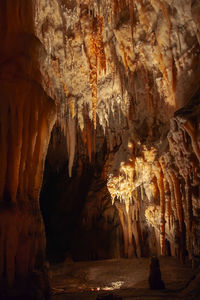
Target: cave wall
(27,115)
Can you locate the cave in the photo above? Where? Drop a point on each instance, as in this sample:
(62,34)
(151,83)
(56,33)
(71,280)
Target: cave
(99,149)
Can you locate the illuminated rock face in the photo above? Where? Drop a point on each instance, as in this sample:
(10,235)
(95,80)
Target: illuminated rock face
(115,71)
(27,115)
(126,67)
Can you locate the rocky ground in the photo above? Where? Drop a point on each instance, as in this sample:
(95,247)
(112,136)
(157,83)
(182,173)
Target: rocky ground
(127,278)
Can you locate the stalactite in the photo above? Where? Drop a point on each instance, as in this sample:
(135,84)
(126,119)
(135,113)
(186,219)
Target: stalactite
(110,139)
(131,9)
(178,231)
(119,113)
(171,75)
(165,14)
(169,213)
(71,124)
(188,216)
(97,60)
(158,241)
(136,236)
(89,138)
(124,228)
(93,79)
(188,203)
(144,75)
(160,60)
(160,177)
(147,88)
(94,142)
(142,192)
(100,46)
(130,243)
(116,8)
(174,77)
(84,136)
(143,15)
(167,191)
(172,194)
(71,105)
(124,57)
(66,91)
(177,197)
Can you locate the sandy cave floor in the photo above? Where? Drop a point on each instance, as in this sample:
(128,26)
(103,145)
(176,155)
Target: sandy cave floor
(127,278)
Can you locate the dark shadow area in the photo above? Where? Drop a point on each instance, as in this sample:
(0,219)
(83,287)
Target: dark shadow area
(80,221)
(62,199)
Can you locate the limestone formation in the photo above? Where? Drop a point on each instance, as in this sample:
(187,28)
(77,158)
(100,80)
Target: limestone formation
(119,80)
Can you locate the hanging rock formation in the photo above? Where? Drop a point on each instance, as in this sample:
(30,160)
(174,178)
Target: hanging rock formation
(127,67)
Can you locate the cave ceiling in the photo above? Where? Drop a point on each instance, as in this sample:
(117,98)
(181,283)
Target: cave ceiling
(130,71)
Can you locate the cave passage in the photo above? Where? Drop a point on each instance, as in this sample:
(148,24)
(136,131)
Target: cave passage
(61,201)
(80,221)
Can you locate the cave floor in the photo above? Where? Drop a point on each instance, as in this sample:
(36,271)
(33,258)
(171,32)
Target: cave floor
(127,278)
